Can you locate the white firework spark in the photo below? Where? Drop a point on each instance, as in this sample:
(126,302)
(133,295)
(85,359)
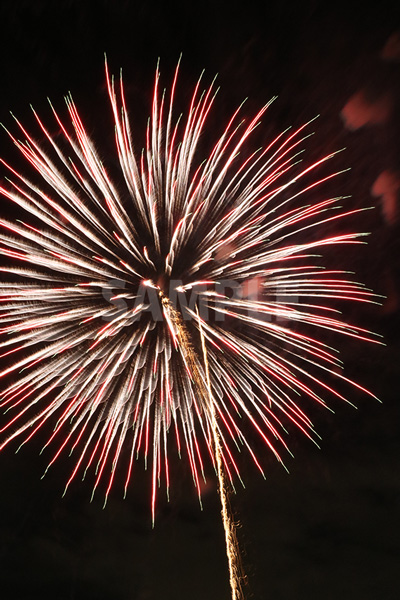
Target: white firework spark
(112,288)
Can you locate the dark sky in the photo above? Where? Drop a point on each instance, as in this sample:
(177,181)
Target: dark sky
(330,529)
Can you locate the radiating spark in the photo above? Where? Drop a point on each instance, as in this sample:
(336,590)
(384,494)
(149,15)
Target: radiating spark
(102,281)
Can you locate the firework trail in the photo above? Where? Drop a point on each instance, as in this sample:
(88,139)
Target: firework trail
(114,297)
(236,574)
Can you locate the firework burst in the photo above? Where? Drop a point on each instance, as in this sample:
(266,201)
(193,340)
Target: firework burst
(126,309)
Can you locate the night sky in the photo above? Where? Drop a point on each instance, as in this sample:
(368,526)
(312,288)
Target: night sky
(330,529)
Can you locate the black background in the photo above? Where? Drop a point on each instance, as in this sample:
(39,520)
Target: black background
(330,529)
